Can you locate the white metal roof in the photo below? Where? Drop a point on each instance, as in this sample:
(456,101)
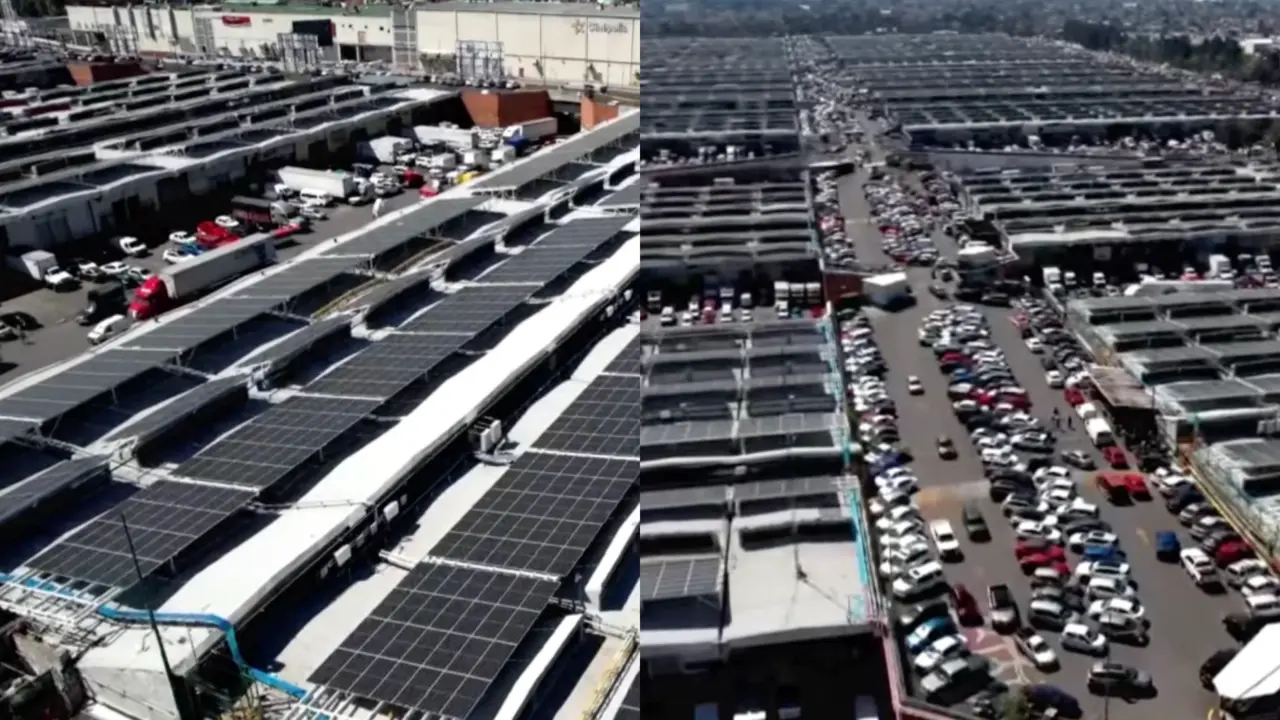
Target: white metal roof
(1255,671)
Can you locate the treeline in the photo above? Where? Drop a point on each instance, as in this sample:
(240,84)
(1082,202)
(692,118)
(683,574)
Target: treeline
(1211,55)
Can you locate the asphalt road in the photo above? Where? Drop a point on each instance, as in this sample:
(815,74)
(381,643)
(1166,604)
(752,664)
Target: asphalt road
(1185,627)
(60,337)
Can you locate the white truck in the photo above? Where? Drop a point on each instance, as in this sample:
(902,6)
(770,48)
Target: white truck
(383,149)
(179,283)
(34,263)
(887,290)
(531,131)
(1052,279)
(334,184)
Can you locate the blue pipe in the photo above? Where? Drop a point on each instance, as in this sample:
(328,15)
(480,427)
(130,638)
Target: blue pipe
(183,619)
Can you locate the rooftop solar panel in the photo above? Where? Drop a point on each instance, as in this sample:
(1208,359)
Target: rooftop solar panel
(630,707)
(542,514)
(537,266)
(670,579)
(686,432)
(628,361)
(626,197)
(172,415)
(164,519)
(438,640)
(711,495)
(603,420)
(263,451)
(297,279)
(79,384)
(584,232)
(389,366)
(386,237)
(285,351)
(470,311)
(389,292)
(24,497)
(198,327)
(786,424)
(784,488)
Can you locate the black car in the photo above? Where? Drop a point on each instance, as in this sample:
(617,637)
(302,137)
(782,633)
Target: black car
(946,448)
(975,525)
(1116,680)
(1178,501)
(1216,663)
(913,615)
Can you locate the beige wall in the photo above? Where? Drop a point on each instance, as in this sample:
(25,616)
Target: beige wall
(554,48)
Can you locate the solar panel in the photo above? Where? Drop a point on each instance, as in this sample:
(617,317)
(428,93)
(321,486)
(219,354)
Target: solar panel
(686,432)
(630,708)
(627,361)
(172,415)
(470,311)
(439,640)
(537,266)
(21,499)
(389,292)
(626,197)
(784,488)
(786,425)
(298,279)
(542,514)
(164,519)
(263,451)
(694,497)
(288,349)
(604,420)
(389,236)
(388,367)
(202,325)
(77,385)
(584,232)
(670,579)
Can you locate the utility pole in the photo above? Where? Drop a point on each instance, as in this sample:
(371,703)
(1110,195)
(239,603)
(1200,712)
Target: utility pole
(181,696)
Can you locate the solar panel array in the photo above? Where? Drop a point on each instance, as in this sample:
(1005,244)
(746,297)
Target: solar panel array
(263,451)
(285,351)
(182,407)
(693,497)
(630,708)
(557,252)
(190,331)
(628,361)
(102,373)
(603,420)
(420,221)
(389,366)
(14,429)
(470,311)
(438,640)
(542,514)
(389,292)
(297,279)
(60,479)
(583,232)
(678,578)
(164,519)
(628,196)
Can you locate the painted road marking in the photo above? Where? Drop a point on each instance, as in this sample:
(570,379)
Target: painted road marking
(1143,536)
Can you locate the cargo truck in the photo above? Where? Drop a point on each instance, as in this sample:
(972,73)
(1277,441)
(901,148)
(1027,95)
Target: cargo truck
(530,132)
(386,149)
(334,184)
(260,211)
(103,302)
(192,278)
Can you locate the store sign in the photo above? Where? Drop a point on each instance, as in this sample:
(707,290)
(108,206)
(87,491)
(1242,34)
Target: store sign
(236,20)
(602,28)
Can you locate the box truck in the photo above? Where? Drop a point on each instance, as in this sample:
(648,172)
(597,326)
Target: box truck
(260,211)
(180,283)
(338,186)
(527,133)
(385,149)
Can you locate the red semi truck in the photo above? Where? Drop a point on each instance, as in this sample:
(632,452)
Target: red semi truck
(192,278)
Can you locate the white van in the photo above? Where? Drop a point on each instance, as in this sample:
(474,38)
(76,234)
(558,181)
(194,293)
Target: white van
(106,329)
(1100,432)
(315,197)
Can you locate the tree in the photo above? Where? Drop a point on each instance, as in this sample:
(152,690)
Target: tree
(1016,705)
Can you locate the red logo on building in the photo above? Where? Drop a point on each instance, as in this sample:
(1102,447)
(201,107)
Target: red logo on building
(234,20)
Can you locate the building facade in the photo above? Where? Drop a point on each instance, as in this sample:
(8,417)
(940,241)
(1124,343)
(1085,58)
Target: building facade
(548,43)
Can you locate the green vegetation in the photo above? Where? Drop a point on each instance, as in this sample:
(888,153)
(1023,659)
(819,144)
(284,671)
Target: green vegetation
(1212,55)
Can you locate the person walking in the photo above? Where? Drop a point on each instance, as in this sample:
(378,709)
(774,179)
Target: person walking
(377,207)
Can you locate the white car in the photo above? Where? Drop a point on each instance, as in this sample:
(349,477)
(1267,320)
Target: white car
(1092,538)
(945,538)
(174,256)
(899,542)
(1125,606)
(133,247)
(1038,650)
(1241,570)
(1054,379)
(901,559)
(900,484)
(1262,604)
(1081,638)
(57,277)
(115,269)
(1261,585)
(882,503)
(940,650)
(181,238)
(1048,472)
(895,515)
(919,579)
(1035,346)
(226,221)
(1054,498)
(1109,587)
(1169,484)
(1030,530)
(1102,568)
(914,386)
(89,269)
(1052,484)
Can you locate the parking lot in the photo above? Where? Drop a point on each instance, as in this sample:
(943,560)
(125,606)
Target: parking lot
(59,337)
(1185,627)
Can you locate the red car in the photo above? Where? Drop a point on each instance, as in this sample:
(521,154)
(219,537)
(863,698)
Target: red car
(1113,486)
(1073,396)
(1137,485)
(966,606)
(1232,551)
(1025,548)
(1115,457)
(1018,400)
(1038,560)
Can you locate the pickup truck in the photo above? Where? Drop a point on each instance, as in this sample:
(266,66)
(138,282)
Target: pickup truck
(1003,608)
